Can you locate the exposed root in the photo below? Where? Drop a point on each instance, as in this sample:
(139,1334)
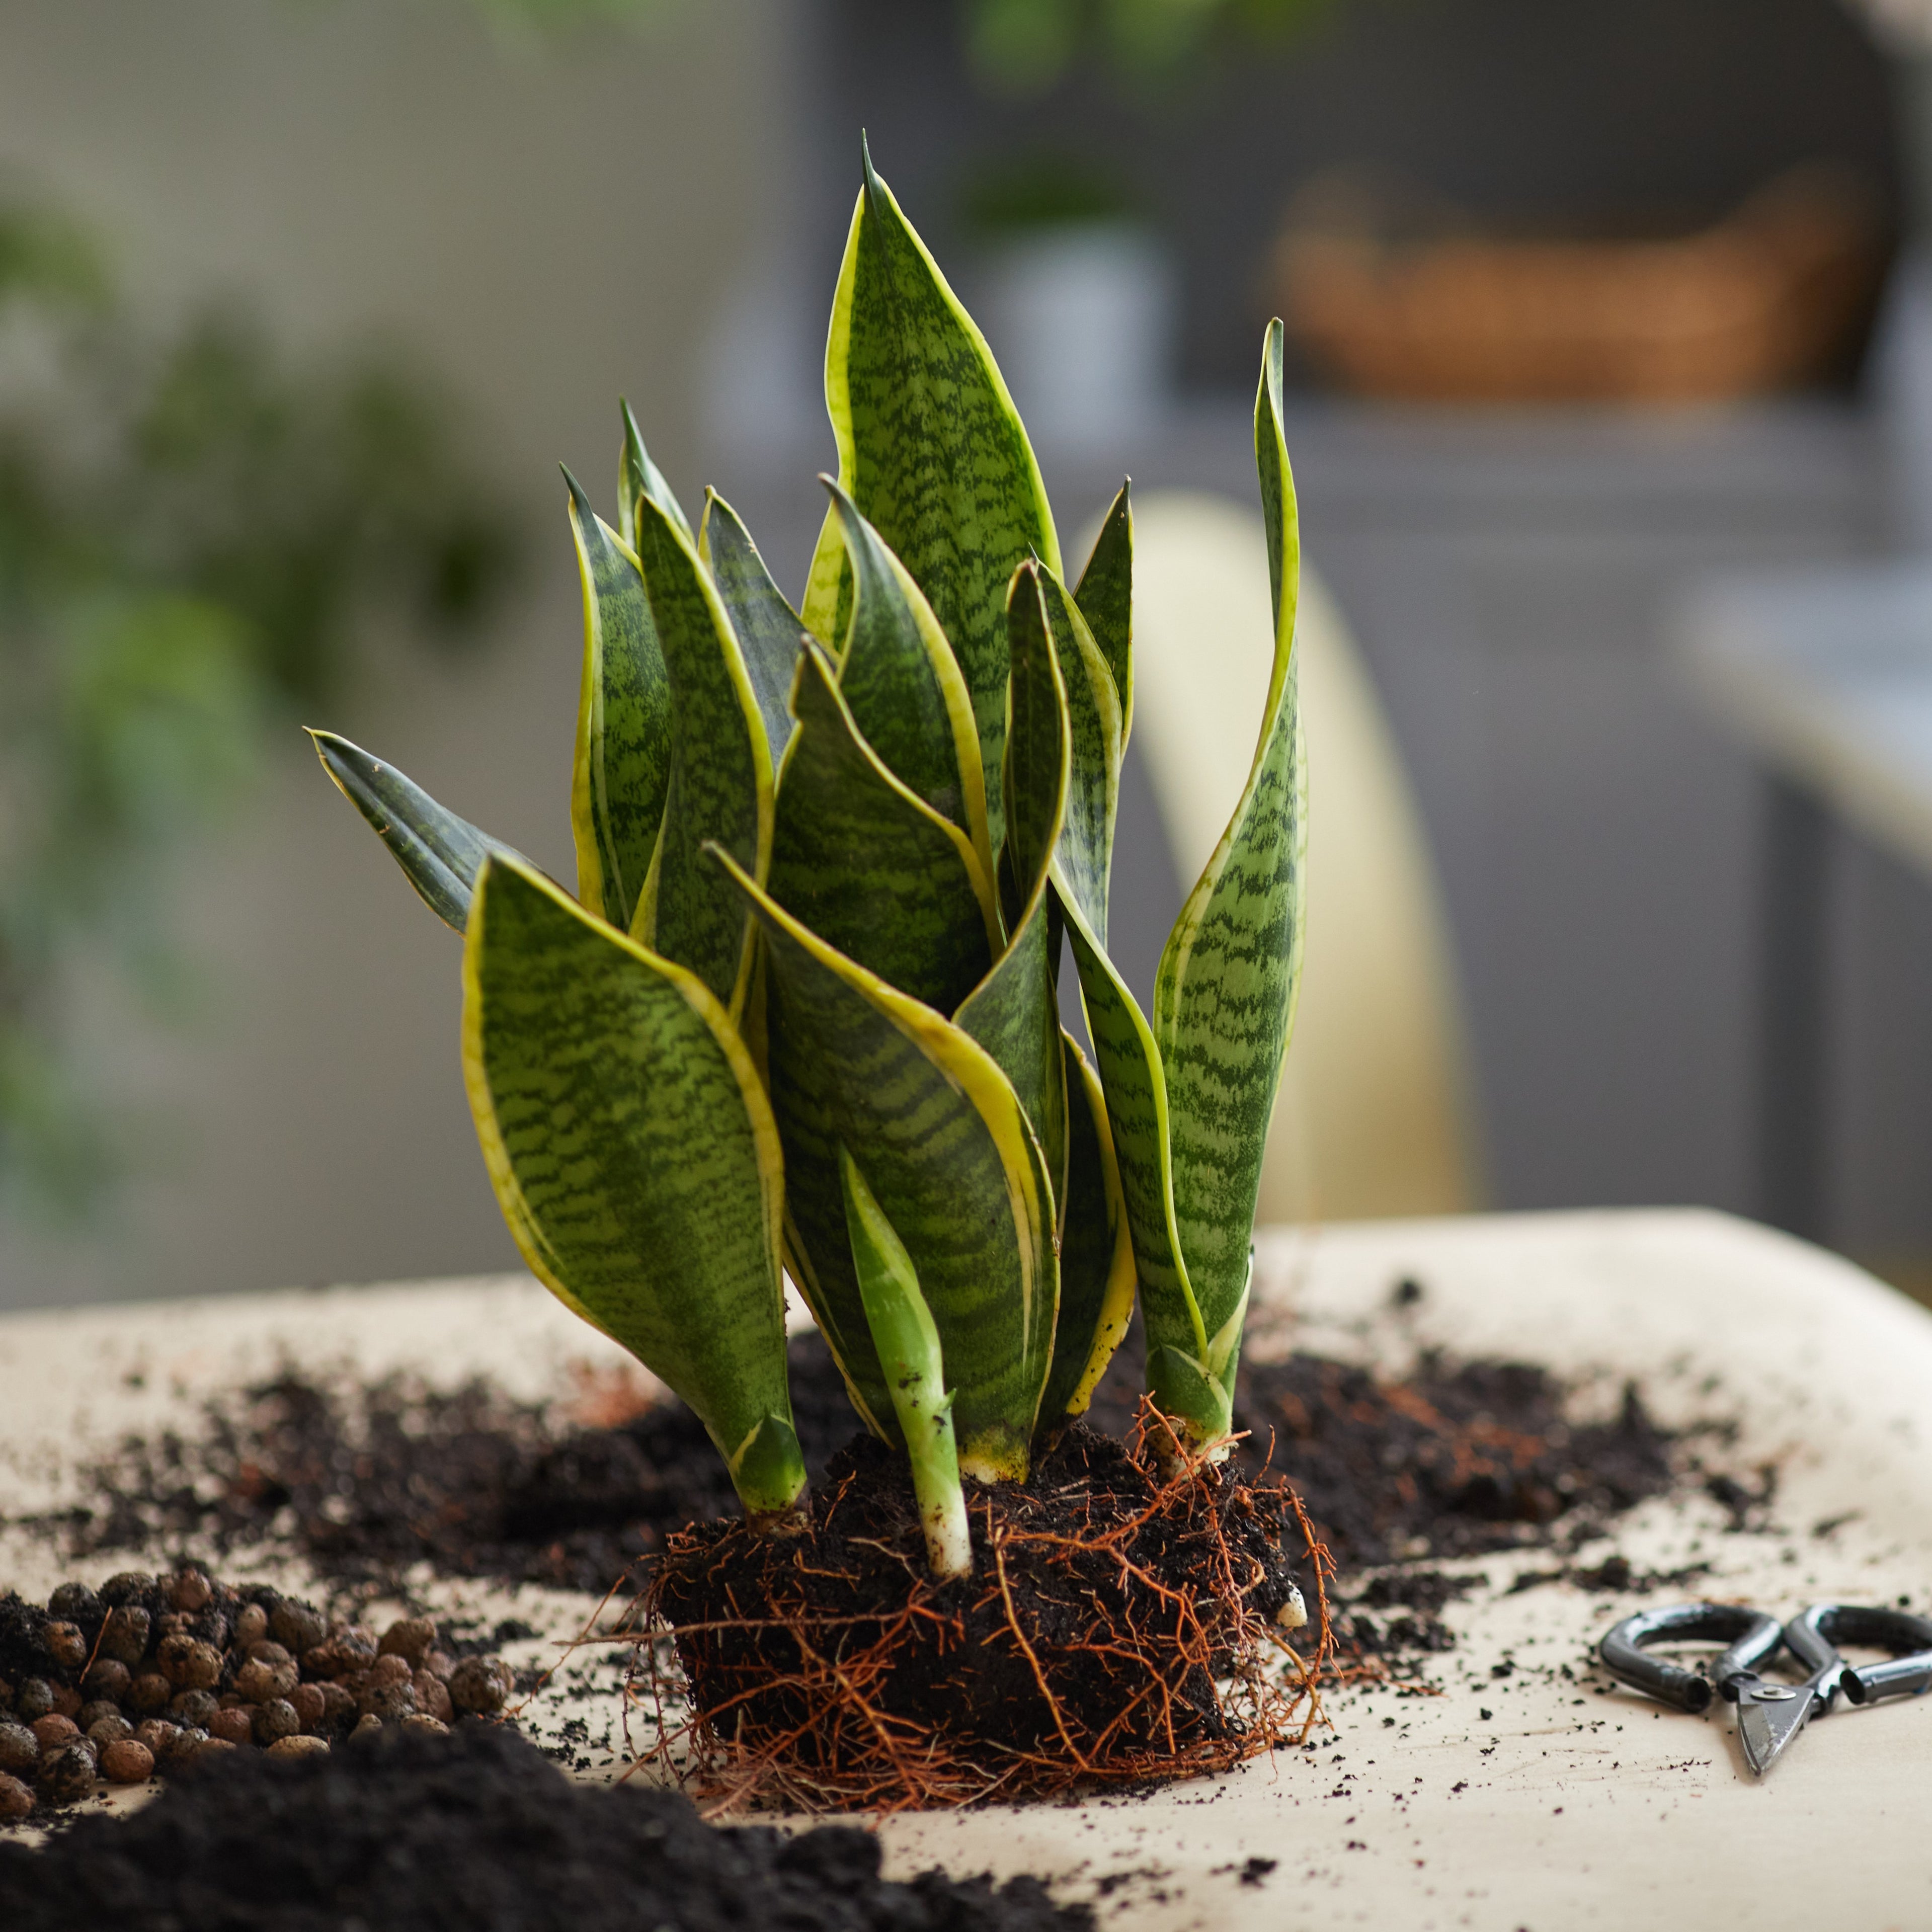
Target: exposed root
(1118,1629)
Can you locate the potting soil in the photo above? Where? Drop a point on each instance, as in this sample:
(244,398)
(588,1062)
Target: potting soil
(475,1832)
(1450,1460)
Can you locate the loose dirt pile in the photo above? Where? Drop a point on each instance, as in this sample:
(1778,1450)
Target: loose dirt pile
(475,1832)
(1107,1610)
(364,1483)
(148,1673)
(1452,1461)
(1449,1461)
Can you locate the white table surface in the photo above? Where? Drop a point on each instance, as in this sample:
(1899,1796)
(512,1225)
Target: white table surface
(1562,1807)
(1826,675)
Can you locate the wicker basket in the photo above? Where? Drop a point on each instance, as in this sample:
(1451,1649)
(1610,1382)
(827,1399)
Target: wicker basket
(1765,301)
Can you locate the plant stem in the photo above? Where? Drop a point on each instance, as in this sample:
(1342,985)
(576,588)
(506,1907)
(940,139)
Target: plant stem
(907,1340)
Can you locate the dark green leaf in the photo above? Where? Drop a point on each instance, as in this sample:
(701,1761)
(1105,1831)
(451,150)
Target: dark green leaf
(721,773)
(1224,996)
(1015,1014)
(1105,595)
(637,477)
(1038,752)
(932,450)
(1096,1253)
(896,672)
(1135,1084)
(868,865)
(623,768)
(1086,853)
(635,1158)
(768,629)
(440,854)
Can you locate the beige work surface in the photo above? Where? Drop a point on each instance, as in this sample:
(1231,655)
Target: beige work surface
(1516,1789)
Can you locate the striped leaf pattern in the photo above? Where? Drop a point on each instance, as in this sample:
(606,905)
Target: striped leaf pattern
(1086,853)
(1135,1081)
(720,787)
(768,629)
(869,865)
(1015,1014)
(804,1008)
(1105,595)
(638,477)
(935,1127)
(1097,1252)
(440,854)
(635,1157)
(623,723)
(1224,996)
(898,673)
(932,451)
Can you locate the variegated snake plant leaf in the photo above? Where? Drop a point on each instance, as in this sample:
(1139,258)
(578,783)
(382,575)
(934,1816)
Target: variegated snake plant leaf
(800,1015)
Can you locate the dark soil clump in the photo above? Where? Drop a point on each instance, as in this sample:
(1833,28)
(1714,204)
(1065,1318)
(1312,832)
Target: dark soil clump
(474,1485)
(1422,1595)
(472,1833)
(828,1668)
(1452,1461)
(1447,1462)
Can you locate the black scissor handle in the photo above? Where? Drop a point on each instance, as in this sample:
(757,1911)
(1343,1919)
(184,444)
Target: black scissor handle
(1910,1638)
(1754,1638)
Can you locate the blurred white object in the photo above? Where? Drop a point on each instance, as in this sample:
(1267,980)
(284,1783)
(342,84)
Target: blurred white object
(1081,317)
(1901,365)
(1373,1118)
(1903,22)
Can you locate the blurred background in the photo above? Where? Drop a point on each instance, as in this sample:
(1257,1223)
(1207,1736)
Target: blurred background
(1611,350)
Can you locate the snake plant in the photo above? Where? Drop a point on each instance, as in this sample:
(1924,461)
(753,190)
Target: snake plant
(800,1012)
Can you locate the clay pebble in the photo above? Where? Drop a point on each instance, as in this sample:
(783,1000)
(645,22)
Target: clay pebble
(185,1666)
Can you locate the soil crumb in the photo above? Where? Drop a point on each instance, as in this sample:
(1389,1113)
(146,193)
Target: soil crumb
(1449,1461)
(470,1833)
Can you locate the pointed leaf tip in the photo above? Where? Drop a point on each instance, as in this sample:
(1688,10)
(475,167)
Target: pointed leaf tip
(440,854)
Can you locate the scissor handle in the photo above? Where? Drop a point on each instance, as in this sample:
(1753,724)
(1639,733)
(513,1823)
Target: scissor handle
(1754,1638)
(1910,1638)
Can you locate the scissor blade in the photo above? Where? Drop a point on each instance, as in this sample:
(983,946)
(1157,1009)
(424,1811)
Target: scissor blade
(1768,1717)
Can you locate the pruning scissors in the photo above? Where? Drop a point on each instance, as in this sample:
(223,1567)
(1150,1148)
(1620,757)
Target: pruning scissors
(1771,1714)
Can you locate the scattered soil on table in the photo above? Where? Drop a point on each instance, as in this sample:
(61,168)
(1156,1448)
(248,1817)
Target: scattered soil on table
(1450,1461)
(1616,1574)
(1453,1461)
(1092,1643)
(1420,1596)
(148,1673)
(475,1832)
(365,1483)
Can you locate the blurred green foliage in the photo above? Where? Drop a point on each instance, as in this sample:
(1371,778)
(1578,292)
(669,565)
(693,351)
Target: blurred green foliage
(1040,188)
(193,533)
(1023,47)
